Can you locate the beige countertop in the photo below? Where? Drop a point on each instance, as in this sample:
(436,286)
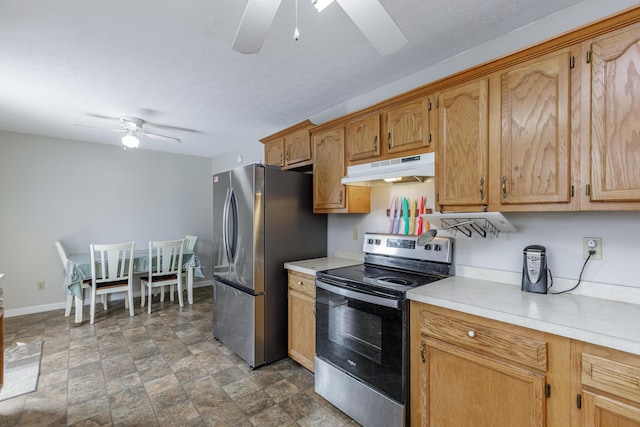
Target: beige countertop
(598,321)
(311,266)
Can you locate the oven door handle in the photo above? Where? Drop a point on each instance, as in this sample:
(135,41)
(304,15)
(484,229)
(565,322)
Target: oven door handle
(359,296)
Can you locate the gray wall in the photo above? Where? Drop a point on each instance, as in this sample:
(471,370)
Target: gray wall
(244,155)
(82,193)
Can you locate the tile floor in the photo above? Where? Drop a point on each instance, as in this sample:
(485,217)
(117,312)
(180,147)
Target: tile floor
(158,369)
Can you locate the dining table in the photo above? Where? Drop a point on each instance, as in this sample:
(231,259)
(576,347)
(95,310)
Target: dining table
(79,269)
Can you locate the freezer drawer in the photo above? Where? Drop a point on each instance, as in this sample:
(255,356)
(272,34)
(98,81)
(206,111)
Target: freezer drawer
(238,321)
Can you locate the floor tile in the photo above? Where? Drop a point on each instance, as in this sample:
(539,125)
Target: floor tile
(158,369)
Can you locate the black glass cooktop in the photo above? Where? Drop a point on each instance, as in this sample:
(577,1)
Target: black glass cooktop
(391,281)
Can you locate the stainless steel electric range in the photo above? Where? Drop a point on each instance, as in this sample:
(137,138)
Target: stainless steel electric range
(362,326)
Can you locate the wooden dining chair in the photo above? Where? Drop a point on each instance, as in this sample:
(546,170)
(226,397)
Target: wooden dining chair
(165,268)
(86,284)
(112,271)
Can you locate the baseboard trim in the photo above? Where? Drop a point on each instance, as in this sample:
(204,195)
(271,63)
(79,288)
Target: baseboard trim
(14,312)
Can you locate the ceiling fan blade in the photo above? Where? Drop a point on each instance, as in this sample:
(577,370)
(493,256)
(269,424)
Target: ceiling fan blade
(376,24)
(255,23)
(160,137)
(97,127)
(101,116)
(88,126)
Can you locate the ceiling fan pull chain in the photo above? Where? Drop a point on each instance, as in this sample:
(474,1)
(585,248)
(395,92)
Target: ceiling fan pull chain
(296,33)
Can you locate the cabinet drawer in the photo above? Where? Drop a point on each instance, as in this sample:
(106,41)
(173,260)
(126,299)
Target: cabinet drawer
(611,376)
(484,339)
(303,283)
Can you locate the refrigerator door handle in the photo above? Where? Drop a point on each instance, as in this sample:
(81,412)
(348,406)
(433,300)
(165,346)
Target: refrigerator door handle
(233,244)
(225,226)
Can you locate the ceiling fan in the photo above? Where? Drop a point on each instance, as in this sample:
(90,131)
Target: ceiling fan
(132,128)
(368,15)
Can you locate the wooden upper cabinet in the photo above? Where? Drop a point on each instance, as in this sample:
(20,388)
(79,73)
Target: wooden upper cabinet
(329,167)
(363,138)
(297,149)
(406,127)
(462,149)
(328,170)
(613,122)
(290,148)
(274,152)
(531,161)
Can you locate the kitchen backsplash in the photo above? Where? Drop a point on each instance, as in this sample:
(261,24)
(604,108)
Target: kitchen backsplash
(561,233)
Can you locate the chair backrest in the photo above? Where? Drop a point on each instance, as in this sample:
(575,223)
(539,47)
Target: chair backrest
(112,262)
(62,254)
(165,257)
(190,242)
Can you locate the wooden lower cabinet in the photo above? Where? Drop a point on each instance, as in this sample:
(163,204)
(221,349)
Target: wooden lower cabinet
(471,371)
(302,318)
(464,388)
(608,384)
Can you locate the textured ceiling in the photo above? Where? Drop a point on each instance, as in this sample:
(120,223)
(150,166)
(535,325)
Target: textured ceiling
(170,63)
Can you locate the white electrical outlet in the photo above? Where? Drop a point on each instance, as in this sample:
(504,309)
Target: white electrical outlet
(41,285)
(356,233)
(592,244)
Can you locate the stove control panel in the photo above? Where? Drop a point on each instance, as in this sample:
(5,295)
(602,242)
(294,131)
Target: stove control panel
(440,249)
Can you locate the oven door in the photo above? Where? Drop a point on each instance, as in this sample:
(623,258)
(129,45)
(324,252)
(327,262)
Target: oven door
(362,334)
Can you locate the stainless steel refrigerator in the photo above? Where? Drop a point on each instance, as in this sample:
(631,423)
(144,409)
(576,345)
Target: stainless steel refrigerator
(262,217)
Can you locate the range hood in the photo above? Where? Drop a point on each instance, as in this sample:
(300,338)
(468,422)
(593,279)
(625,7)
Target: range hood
(416,168)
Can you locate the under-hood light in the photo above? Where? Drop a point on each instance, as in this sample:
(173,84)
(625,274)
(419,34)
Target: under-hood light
(395,179)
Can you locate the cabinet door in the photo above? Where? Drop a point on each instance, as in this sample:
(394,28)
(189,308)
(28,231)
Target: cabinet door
(273,153)
(328,170)
(302,328)
(363,138)
(615,116)
(297,149)
(464,388)
(407,127)
(608,386)
(534,146)
(462,166)
(601,411)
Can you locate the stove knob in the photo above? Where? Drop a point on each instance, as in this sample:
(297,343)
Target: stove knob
(437,247)
(428,246)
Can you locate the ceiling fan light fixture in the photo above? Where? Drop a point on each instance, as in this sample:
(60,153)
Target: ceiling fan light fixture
(321,4)
(130,141)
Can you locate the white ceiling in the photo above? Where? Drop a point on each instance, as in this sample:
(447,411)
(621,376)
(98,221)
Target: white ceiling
(170,63)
